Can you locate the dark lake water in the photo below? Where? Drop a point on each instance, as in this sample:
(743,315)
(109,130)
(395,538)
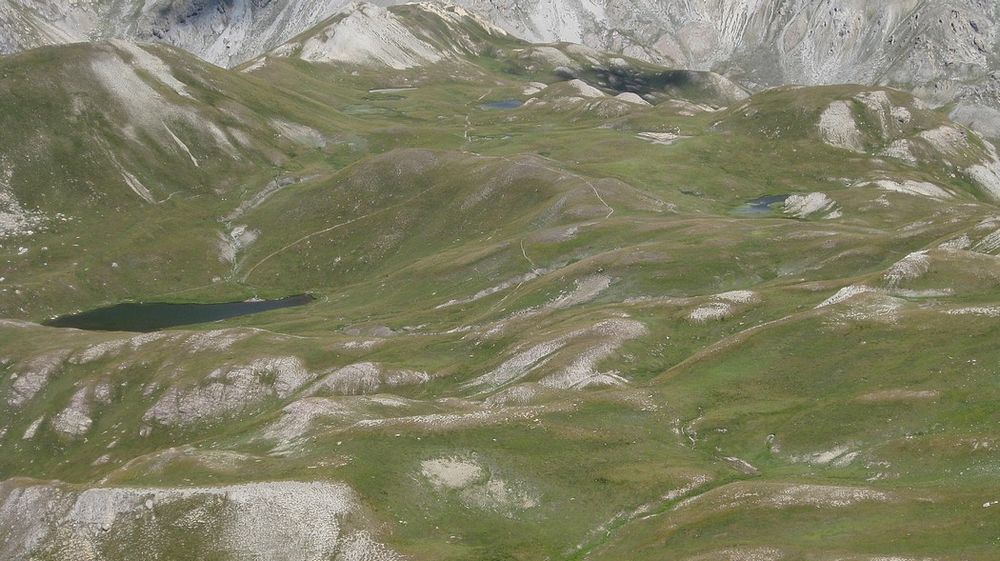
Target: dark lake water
(761,205)
(156,316)
(504,104)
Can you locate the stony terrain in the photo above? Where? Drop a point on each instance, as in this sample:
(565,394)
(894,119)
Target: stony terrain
(944,51)
(569,304)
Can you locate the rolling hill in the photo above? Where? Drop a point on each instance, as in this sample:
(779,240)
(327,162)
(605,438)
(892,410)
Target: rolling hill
(568,304)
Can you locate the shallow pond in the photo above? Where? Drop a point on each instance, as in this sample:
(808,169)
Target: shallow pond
(156,316)
(504,104)
(761,205)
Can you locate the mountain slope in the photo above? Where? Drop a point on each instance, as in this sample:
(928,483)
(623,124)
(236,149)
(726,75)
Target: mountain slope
(221,32)
(942,51)
(567,305)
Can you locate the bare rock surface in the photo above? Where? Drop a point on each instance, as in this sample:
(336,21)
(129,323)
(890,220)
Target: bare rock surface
(279,520)
(228,390)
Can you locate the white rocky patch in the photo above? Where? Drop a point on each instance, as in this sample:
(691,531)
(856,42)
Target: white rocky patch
(268,521)
(520,279)
(32,377)
(957,244)
(710,312)
(184,147)
(738,296)
(880,396)
(633,98)
(288,130)
(229,390)
(500,496)
(901,115)
(910,187)
(216,340)
(845,294)
(369,34)
(360,546)
(900,150)
(145,106)
(154,65)
(459,15)
(878,103)
(477,487)
(361,344)
(987,174)
(947,140)
(75,419)
(911,267)
(553,56)
(451,472)
(521,394)
(804,206)
(518,366)
(533,88)
(32,429)
(582,371)
(722,306)
(100,350)
(838,128)
(688,109)
(237,240)
(367,378)
(296,133)
(663,138)
(137,186)
(103,392)
(584,290)
(255,65)
(298,417)
(586,90)
(15,220)
(747,554)
(840,456)
(782,496)
(873,306)
(453,421)
(982,311)
(989,244)
(822,496)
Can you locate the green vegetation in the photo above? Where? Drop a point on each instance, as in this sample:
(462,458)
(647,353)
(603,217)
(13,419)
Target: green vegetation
(634,370)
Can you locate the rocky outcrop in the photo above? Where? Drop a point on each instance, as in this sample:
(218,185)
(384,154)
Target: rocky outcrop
(224,33)
(935,48)
(943,51)
(32,377)
(287,520)
(75,419)
(229,390)
(366,378)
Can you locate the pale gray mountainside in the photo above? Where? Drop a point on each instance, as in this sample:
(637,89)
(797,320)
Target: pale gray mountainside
(223,32)
(943,50)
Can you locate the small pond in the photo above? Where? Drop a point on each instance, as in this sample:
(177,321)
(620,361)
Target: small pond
(761,205)
(156,316)
(504,104)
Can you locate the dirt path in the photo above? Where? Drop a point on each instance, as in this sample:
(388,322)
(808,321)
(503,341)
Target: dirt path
(528,259)
(332,228)
(562,172)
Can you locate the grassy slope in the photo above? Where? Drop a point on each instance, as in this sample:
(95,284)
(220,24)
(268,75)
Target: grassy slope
(440,199)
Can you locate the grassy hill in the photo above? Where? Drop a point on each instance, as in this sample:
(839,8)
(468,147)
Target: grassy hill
(683,324)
